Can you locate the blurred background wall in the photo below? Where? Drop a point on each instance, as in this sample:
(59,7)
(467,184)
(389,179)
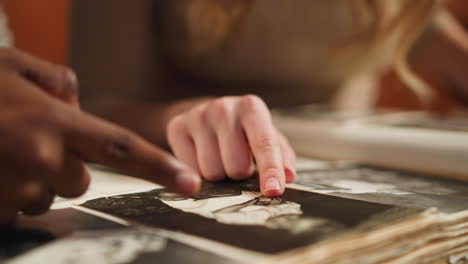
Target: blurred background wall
(110,45)
(40,27)
(107,41)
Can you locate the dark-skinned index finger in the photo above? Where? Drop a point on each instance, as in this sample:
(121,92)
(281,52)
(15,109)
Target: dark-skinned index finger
(105,143)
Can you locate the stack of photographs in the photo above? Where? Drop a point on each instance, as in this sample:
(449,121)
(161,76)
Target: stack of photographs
(341,214)
(336,212)
(66,236)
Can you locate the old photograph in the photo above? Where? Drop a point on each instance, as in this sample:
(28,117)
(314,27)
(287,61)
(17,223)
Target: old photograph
(236,214)
(78,237)
(387,187)
(124,246)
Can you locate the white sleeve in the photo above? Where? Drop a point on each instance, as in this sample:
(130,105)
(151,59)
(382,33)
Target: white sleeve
(6,38)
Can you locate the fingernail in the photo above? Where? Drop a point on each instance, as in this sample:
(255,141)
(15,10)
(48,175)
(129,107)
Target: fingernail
(272,187)
(187,183)
(71,80)
(71,87)
(69,91)
(290,175)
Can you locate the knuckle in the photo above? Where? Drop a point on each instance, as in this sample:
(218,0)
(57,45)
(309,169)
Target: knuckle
(198,115)
(213,176)
(31,191)
(239,173)
(221,108)
(240,168)
(265,143)
(43,155)
(176,125)
(47,114)
(175,129)
(213,171)
(120,146)
(252,102)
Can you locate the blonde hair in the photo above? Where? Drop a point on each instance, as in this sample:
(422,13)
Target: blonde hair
(212,24)
(384,32)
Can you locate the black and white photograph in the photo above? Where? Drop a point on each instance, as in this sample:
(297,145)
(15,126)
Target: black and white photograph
(236,214)
(79,237)
(387,186)
(30,233)
(124,246)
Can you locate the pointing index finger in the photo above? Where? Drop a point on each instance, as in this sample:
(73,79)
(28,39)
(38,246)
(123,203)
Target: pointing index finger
(102,142)
(256,122)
